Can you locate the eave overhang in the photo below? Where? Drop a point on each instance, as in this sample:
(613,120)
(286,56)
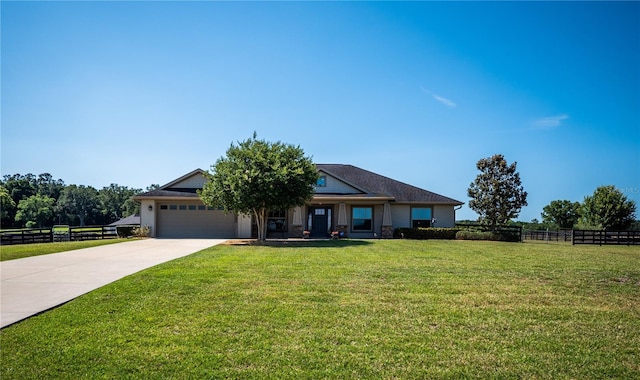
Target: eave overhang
(351,198)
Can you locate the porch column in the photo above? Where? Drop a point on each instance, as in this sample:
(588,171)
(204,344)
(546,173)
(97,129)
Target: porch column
(387,225)
(342,225)
(297,222)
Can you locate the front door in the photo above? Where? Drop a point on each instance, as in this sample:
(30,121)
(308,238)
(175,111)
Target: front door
(320,221)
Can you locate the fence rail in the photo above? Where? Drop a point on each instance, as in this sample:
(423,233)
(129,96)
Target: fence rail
(34,235)
(48,235)
(561,235)
(606,237)
(92,233)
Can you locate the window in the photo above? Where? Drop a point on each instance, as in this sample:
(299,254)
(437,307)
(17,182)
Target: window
(183,207)
(277,221)
(322,181)
(362,218)
(192,207)
(421,217)
(163,207)
(173,207)
(202,207)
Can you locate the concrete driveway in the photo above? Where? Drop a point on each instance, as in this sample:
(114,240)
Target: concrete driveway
(35,284)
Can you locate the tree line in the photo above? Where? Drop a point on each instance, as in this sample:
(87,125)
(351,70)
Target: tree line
(497,196)
(607,209)
(31,201)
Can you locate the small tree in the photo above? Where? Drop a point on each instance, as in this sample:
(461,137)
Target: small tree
(496,194)
(563,213)
(257,177)
(608,208)
(36,210)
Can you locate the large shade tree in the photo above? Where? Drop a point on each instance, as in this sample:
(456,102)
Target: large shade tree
(563,213)
(80,202)
(257,177)
(496,194)
(608,208)
(116,202)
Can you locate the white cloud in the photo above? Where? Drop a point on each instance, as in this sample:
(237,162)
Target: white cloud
(549,122)
(447,102)
(444,101)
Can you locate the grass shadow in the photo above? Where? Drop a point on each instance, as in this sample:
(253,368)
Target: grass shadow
(300,243)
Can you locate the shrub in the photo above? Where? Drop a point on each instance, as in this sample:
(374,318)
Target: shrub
(135,231)
(142,231)
(422,233)
(125,231)
(488,235)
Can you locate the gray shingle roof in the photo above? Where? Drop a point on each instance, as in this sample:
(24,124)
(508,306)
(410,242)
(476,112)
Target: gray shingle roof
(378,185)
(372,185)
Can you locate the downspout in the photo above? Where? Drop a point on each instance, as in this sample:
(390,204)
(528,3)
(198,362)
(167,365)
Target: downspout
(454,213)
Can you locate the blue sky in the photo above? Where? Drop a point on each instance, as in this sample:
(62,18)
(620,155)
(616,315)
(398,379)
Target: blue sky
(136,93)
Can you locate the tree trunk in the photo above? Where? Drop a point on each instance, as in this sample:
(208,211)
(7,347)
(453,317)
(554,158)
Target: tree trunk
(261,222)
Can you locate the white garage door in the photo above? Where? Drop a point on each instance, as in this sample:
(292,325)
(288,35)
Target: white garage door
(194,220)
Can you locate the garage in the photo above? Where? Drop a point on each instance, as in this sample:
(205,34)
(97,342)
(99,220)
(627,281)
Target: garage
(194,220)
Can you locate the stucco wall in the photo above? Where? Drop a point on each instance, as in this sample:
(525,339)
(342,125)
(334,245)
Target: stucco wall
(401,216)
(148,218)
(445,216)
(244,226)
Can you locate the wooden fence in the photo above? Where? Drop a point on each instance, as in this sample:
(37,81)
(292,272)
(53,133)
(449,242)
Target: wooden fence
(48,235)
(606,237)
(561,235)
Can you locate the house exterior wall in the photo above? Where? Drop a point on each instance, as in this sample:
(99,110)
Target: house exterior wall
(148,218)
(445,216)
(244,227)
(401,216)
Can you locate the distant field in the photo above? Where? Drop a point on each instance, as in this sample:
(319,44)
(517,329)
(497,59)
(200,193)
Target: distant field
(18,251)
(350,309)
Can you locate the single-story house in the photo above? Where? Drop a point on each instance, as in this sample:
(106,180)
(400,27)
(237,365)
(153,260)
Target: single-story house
(355,202)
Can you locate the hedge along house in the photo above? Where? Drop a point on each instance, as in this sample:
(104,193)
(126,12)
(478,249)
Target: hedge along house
(352,201)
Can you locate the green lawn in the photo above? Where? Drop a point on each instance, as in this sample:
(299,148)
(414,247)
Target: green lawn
(19,251)
(349,309)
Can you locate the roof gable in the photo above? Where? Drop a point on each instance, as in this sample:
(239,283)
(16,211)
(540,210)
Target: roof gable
(188,182)
(335,186)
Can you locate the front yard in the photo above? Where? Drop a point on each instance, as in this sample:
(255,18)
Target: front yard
(350,309)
